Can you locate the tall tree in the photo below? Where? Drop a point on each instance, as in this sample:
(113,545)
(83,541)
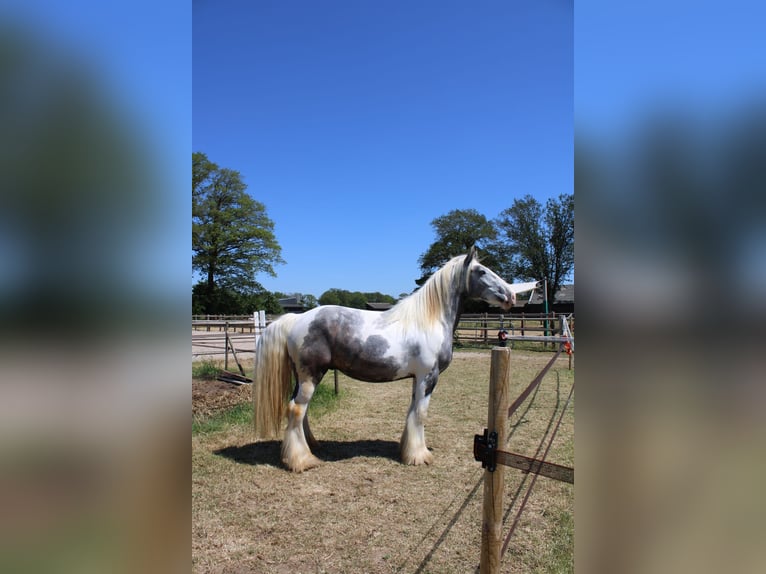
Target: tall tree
(355,299)
(232,236)
(456,233)
(535,243)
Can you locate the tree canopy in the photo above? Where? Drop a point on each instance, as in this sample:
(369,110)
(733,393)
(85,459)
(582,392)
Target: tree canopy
(355,299)
(536,243)
(226,301)
(232,236)
(525,242)
(456,233)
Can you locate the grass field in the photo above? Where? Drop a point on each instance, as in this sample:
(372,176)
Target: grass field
(363,511)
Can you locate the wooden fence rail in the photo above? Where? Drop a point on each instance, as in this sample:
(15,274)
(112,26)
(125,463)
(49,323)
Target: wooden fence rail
(219,325)
(472,329)
(217,336)
(484,329)
(222,317)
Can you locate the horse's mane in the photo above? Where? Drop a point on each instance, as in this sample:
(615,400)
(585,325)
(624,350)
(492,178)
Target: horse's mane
(426,305)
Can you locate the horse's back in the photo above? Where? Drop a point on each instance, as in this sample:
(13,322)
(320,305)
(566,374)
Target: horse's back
(354,341)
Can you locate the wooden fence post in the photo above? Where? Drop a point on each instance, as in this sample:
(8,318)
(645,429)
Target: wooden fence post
(497,418)
(226,347)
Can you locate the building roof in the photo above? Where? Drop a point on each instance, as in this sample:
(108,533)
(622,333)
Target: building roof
(374,306)
(291,304)
(565,294)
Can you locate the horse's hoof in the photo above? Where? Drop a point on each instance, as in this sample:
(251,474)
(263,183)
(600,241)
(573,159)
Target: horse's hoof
(304,463)
(421,457)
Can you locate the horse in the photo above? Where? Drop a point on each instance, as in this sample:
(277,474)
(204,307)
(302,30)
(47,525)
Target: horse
(413,339)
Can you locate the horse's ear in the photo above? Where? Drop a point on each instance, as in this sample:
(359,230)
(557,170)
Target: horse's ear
(469,257)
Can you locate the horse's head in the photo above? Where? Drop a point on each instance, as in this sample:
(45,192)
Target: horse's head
(482,283)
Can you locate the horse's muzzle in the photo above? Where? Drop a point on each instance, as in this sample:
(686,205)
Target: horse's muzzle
(507,300)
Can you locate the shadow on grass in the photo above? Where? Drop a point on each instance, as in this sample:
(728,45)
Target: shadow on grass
(268,452)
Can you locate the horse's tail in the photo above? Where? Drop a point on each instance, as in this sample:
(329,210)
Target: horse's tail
(272,380)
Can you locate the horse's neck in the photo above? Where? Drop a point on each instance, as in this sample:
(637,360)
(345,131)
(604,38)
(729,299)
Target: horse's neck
(455,312)
(452,312)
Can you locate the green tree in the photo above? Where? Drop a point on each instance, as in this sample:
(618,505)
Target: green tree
(355,299)
(331,297)
(227,301)
(378,297)
(232,236)
(535,243)
(456,233)
(309,301)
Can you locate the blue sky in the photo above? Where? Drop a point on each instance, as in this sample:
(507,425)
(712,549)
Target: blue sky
(637,59)
(358,123)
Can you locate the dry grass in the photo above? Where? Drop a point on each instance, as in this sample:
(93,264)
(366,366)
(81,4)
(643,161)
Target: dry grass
(363,511)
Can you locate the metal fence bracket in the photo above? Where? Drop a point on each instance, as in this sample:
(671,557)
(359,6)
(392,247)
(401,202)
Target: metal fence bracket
(485,449)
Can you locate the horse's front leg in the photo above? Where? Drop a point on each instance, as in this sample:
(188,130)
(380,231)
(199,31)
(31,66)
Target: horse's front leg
(296,454)
(413,444)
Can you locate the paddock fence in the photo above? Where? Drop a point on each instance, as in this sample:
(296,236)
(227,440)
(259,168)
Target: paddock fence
(486,450)
(216,337)
(482,329)
(235,323)
(222,336)
(490,329)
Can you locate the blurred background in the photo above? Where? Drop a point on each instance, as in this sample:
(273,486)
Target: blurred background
(670,171)
(95,108)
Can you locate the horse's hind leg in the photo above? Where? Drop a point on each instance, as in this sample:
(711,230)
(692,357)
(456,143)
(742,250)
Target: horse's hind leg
(296,454)
(312,442)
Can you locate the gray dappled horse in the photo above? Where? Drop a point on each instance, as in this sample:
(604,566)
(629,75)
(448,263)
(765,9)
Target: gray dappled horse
(412,339)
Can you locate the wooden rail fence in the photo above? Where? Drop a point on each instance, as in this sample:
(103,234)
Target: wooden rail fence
(484,329)
(472,329)
(216,334)
(216,323)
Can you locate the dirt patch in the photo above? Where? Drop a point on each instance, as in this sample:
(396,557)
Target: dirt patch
(209,397)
